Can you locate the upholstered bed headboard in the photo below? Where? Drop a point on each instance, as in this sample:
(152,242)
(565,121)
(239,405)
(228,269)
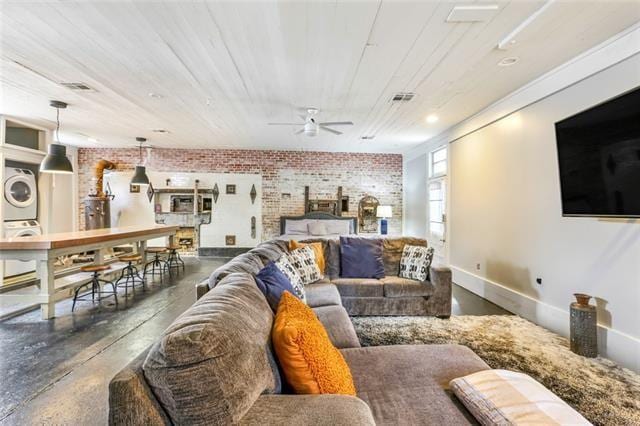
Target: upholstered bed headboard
(319,216)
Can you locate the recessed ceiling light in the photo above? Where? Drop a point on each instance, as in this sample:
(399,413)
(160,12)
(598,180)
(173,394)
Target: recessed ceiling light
(432,118)
(155,95)
(507,62)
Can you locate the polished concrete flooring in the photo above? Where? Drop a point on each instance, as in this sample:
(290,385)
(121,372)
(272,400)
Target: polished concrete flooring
(57,372)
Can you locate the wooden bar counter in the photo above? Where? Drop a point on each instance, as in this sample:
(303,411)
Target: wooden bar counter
(44,249)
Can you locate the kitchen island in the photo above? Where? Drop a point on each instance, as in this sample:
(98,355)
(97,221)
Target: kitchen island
(44,249)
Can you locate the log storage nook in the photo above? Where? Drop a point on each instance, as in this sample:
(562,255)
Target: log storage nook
(44,249)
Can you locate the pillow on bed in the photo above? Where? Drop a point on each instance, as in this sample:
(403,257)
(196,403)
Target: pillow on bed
(296,227)
(317,228)
(338,227)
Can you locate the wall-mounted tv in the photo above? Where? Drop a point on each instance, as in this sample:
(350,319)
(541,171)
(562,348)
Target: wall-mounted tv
(599,158)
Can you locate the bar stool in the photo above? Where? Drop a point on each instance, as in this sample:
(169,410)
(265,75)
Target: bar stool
(130,273)
(157,261)
(174,260)
(95,285)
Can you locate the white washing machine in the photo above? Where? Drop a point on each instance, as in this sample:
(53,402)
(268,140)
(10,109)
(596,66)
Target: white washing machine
(17,229)
(20,194)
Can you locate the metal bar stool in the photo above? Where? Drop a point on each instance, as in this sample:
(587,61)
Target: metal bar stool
(174,260)
(157,261)
(130,273)
(95,286)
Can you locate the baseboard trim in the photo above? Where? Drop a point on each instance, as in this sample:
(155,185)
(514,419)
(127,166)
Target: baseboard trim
(613,344)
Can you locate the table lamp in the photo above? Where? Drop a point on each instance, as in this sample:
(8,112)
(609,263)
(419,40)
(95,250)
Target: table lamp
(383,212)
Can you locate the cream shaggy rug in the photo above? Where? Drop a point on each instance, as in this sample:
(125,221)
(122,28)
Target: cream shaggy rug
(603,392)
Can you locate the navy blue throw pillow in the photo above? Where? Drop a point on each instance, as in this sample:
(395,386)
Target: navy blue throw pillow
(361,257)
(272,283)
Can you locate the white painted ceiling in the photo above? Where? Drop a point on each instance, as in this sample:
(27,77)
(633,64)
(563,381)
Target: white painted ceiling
(225,69)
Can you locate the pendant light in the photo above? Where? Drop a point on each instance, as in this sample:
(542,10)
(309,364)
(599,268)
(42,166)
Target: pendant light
(56,160)
(140,176)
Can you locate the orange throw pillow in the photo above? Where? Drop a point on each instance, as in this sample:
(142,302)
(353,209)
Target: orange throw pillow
(311,364)
(317,250)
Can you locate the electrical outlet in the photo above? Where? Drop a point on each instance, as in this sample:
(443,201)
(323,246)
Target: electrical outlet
(539,281)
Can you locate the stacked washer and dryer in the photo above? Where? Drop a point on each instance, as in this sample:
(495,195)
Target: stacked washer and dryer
(20,213)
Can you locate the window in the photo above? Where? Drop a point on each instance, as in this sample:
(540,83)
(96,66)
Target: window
(437,209)
(438,162)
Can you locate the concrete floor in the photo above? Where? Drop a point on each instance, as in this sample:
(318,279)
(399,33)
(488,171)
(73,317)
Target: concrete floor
(57,372)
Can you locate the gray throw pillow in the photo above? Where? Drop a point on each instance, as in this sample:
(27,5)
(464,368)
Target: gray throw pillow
(415,262)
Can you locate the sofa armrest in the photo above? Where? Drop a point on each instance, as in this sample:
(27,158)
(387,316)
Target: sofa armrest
(202,289)
(440,302)
(297,410)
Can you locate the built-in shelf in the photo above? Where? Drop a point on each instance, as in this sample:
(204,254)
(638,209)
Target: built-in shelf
(182,190)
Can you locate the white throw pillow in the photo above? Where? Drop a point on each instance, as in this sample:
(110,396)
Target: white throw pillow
(338,227)
(291,272)
(304,261)
(415,262)
(317,228)
(296,227)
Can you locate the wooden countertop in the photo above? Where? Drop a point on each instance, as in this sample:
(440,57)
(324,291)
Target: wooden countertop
(78,238)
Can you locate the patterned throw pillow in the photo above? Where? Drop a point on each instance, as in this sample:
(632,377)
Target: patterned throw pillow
(304,260)
(415,262)
(291,272)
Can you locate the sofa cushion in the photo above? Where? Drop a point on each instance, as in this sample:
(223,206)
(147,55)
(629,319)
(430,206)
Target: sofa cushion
(322,294)
(392,252)
(501,397)
(409,384)
(269,251)
(361,258)
(272,283)
(359,287)
(213,363)
(405,287)
(246,262)
(317,248)
(310,362)
(338,325)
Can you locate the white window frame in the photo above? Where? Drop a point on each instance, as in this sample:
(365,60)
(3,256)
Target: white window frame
(433,162)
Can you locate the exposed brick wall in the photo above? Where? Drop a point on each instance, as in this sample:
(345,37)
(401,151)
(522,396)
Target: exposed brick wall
(283,172)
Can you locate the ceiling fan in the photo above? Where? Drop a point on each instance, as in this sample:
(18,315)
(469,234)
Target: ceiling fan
(311,127)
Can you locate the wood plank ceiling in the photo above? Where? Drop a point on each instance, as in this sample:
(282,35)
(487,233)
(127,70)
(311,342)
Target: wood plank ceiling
(220,71)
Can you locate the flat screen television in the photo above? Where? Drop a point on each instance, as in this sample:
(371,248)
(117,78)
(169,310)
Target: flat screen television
(599,159)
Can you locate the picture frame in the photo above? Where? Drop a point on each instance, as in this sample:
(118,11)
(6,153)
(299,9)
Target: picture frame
(150,192)
(231,189)
(134,189)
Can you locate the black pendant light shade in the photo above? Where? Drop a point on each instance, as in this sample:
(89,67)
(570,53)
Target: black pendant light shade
(56,160)
(140,176)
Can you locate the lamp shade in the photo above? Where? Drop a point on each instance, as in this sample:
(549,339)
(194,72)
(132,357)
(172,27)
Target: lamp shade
(140,176)
(56,160)
(384,211)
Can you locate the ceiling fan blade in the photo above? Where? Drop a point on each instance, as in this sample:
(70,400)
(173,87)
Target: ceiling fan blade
(285,124)
(336,123)
(299,131)
(335,132)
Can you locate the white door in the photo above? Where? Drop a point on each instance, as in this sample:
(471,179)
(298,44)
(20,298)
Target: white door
(437,205)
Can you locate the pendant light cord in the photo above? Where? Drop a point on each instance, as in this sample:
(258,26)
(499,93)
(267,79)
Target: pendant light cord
(57,124)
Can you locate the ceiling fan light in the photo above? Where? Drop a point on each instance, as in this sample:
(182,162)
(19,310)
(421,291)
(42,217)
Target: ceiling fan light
(56,160)
(140,176)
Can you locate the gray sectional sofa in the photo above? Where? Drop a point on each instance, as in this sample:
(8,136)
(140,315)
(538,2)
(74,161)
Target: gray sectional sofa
(390,295)
(214,366)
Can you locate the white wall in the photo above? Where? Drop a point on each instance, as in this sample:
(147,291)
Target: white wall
(505,209)
(231,214)
(415,197)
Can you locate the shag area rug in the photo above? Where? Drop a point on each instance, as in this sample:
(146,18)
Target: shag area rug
(602,391)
